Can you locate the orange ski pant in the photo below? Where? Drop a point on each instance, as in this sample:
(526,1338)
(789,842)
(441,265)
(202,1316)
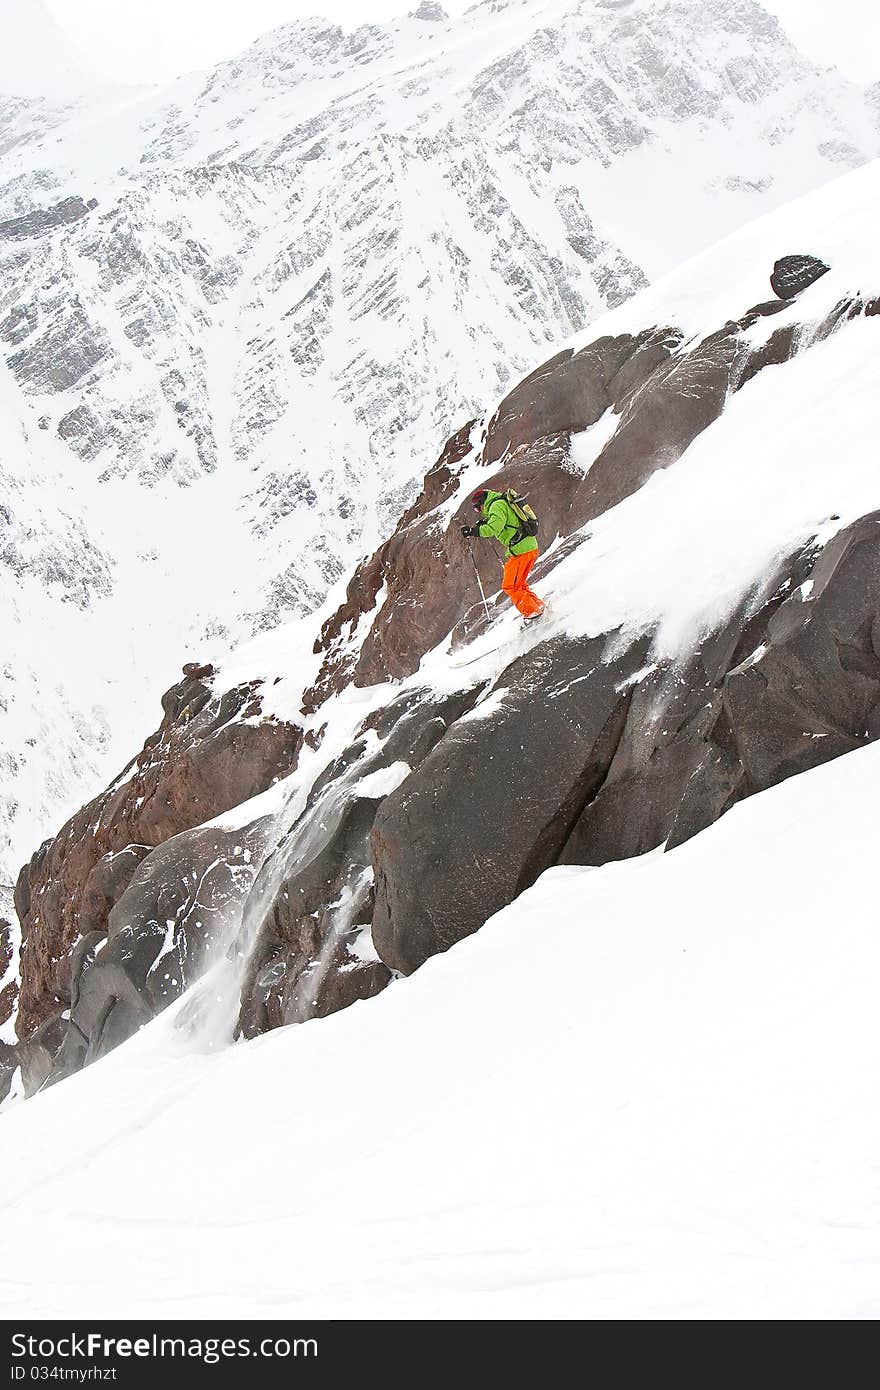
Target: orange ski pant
(516,573)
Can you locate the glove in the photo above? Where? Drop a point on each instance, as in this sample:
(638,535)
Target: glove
(470,530)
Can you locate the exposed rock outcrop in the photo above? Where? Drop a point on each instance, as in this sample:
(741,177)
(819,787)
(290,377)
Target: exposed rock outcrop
(444,861)
(589,757)
(210,753)
(174,914)
(793,274)
(310,957)
(44,220)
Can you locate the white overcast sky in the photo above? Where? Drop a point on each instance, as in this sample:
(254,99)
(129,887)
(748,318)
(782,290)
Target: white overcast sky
(152,40)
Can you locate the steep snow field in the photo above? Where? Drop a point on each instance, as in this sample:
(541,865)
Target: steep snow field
(679,1120)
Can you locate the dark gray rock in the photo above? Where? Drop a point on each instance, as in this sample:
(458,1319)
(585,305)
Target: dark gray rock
(493,805)
(106,883)
(168,923)
(37,1054)
(774,694)
(792,274)
(306,962)
(8,1066)
(44,220)
(590,754)
(815,692)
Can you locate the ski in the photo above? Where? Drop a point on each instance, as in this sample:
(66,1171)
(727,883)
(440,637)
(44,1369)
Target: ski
(456,665)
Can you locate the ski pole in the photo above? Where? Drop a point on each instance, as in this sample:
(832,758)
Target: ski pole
(480,582)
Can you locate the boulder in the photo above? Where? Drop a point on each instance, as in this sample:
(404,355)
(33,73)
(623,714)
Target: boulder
(793,274)
(444,860)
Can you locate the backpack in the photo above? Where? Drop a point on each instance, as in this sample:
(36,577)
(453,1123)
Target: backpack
(528,522)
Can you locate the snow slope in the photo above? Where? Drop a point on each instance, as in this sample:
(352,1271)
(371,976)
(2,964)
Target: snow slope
(679,1120)
(309,264)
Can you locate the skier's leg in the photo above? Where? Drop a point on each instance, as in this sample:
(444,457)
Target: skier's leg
(509,578)
(528,602)
(516,572)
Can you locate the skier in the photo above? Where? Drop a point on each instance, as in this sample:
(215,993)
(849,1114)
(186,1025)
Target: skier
(501,522)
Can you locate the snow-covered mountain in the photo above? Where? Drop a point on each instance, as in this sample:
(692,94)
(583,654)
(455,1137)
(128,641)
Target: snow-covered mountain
(405,800)
(304,268)
(349,796)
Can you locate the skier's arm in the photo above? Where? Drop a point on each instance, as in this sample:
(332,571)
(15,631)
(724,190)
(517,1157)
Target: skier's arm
(496,521)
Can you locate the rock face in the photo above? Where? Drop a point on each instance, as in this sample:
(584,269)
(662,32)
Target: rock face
(428,785)
(589,754)
(44,220)
(168,921)
(310,957)
(210,753)
(793,274)
(768,697)
(445,863)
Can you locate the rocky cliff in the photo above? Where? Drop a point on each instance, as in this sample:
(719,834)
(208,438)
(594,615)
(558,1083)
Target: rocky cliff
(308,266)
(710,527)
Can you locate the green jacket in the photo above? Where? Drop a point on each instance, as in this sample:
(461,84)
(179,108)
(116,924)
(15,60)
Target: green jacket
(502,523)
